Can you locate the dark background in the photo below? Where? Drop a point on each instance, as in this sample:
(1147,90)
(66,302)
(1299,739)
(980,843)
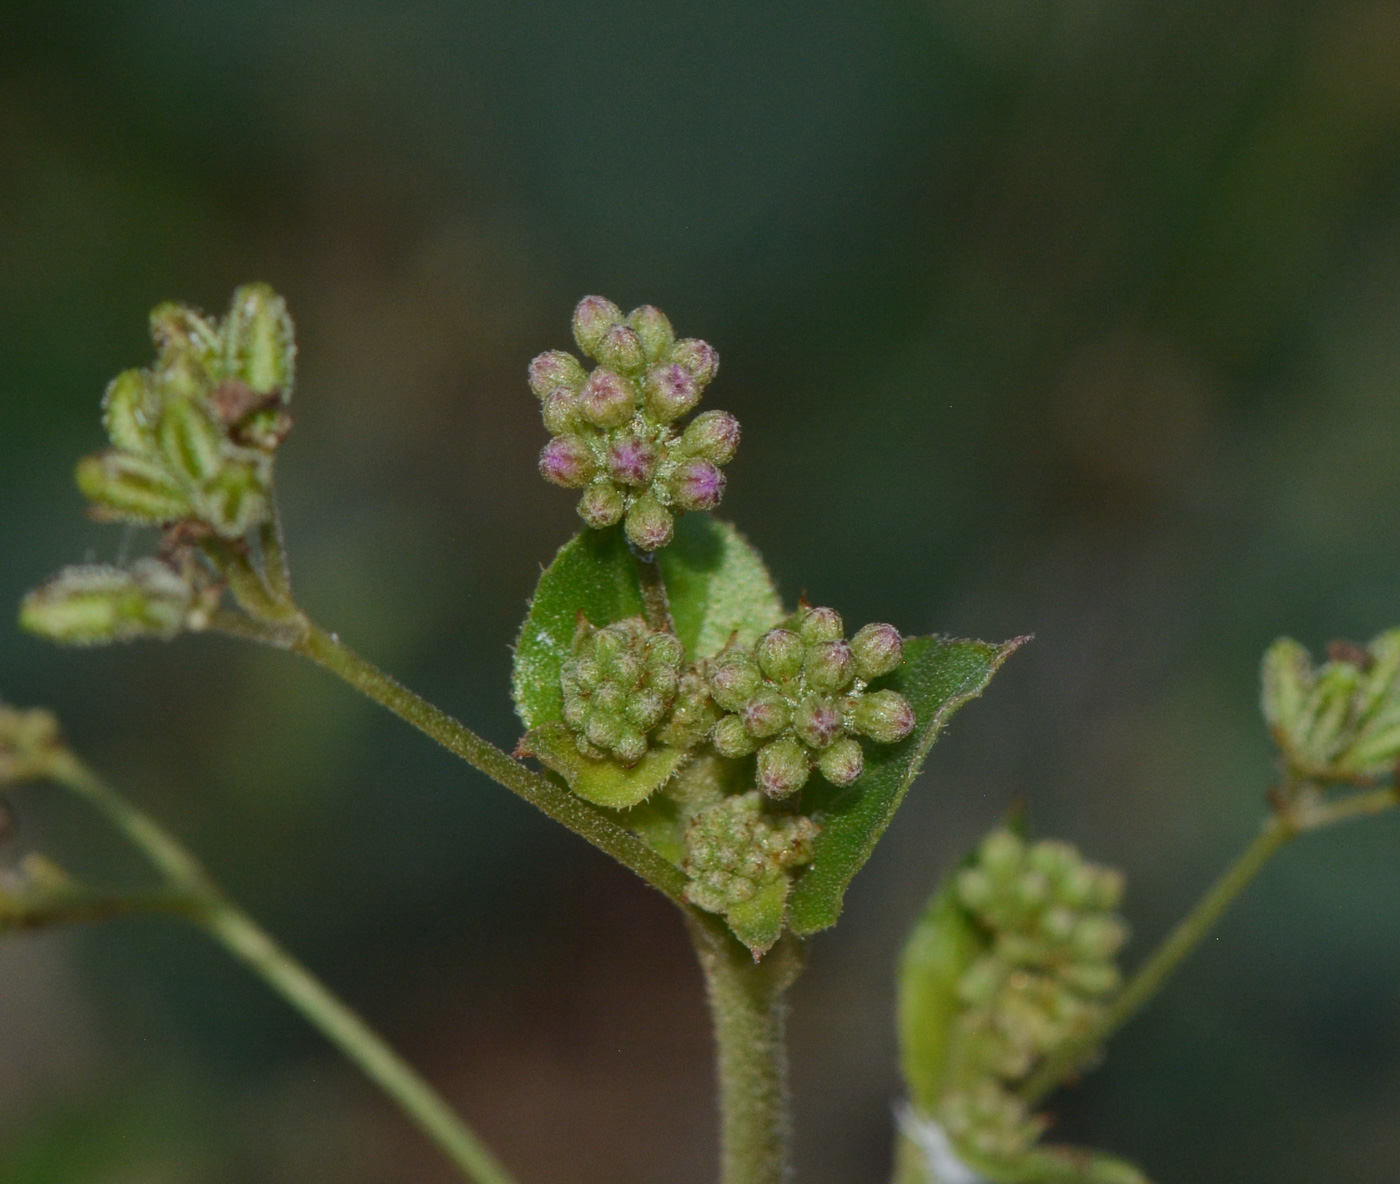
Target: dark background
(1065,316)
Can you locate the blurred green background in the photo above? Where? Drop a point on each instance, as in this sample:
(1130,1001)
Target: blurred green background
(1063,316)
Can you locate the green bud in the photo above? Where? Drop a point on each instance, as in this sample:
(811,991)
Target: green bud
(732,739)
(712,436)
(884,716)
(593,317)
(733,847)
(842,763)
(877,650)
(620,349)
(699,357)
(818,721)
(560,411)
(180,331)
(829,666)
(653,329)
(820,624)
(669,391)
(782,768)
(1098,937)
(130,410)
(97,604)
(568,461)
(602,504)
(1092,978)
(649,524)
(259,341)
(692,714)
(554,369)
(696,485)
(1323,722)
(765,714)
(235,501)
(607,400)
(780,653)
(1001,854)
(734,678)
(124,486)
(191,443)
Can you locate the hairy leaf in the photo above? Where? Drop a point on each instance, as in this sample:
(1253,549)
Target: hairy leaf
(938,676)
(602,782)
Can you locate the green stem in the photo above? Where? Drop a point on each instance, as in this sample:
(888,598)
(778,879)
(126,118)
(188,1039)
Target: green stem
(274,556)
(205,903)
(82,907)
(656,603)
(329,652)
(748,1004)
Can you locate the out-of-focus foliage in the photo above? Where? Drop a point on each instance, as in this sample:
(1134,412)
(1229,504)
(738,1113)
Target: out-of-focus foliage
(1074,318)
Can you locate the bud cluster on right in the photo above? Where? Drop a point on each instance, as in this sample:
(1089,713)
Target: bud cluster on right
(614,428)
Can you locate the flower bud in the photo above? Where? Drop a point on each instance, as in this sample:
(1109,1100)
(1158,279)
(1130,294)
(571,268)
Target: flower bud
(712,435)
(734,678)
(649,525)
(782,768)
(620,349)
(560,411)
(568,461)
(818,722)
(653,329)
(607,400)
(669,391)
(766,714)
(696,485)
(179,330)
(877,649)
(828,666)
(1097,938)
(842,763)
(820,624)
(884,716)
(593,317)
(190,441)
(130,409)
(259,344)
(121,485)
(235,501)
(601,504)
(1092,978)
(97,604)
(1001,854)
(732,739)
(699,357)
(780,653)
(631,461)
(554,368)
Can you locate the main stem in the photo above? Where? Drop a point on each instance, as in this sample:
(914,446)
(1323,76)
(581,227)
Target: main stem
(205,903)
(748,1003)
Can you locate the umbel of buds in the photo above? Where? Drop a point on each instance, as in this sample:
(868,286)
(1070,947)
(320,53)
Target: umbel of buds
(96,603)
(615,432)
(799,699)
(193,435)
(1051,939)
(734,848)
(1341,719)
(618,684)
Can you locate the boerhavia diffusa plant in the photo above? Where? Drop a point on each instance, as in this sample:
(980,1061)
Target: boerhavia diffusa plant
(741,756)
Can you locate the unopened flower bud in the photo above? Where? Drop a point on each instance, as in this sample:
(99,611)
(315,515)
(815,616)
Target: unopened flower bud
(593,317)
(121,485)
(842,763)
(782,768)
(829,666)
(620,349)
(235,500)
(190,441)
(568,461)
(766,714)
(818,722)
(554,368)
(713,435)
(1001,854)
(607,400)
(649,525)
(877,649)
(884,716)
(560,411)
(699,357)
(94,605)
(780,653)
(653,329)
(1092,978)
(178,329)
(732,739)
(821,624)
(259,343)
(1097,938)
(697,485)
(601,504)
(130,409)
(734,678)
(632,461)
(669,391)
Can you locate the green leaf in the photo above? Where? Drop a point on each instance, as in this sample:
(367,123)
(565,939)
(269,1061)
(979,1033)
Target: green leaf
(602,782)
(717,584)
(938,676)
(758,921)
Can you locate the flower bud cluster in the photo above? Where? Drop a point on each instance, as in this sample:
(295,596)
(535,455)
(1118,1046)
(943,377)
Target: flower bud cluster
(618,684)
(799,699)
(1340,719)
(734,847)
(193,435)
(614,428)
(94,604)
(1048,968)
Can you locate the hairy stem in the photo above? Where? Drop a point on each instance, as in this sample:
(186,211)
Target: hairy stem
(195,895)
(656,604)
(748,1004)
(590,823)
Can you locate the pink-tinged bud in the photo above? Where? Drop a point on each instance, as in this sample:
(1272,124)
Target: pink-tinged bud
(650,525)
(842,763)
(669,391)
(560,411)
(567,461)
(620,349)
(632,461)
(884,716)
(766,714)
(697,485)
(782,768)
(593,317)
(818,723)
(877,649)
(555,368)
(713,435)
(780,653)
(653,329)
(601,505)
(607,400)
(734,678)
(829,666)
(821,624)
(732,739)
(699,357)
